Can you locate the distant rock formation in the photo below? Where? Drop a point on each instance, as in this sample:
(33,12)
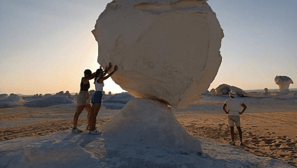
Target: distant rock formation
(265,92)
(117,101)
(213,92)
(47,95)
(283,82)
(92,92)
(14,98)
(68,94)
(3,96)
(225,89)
(60,93)
(45,101)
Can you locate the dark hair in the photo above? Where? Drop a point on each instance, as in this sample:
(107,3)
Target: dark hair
(88,72)
(98,72)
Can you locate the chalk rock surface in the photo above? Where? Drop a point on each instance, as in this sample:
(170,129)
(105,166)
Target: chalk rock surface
(152,123)
(167,50)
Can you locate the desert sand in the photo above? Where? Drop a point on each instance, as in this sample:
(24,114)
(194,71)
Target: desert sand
(264,134)
(269,134)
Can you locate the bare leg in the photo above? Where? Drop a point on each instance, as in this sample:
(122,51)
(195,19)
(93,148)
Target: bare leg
(95,110)
(89,110)
(240,133)
(79,109)
(232,133)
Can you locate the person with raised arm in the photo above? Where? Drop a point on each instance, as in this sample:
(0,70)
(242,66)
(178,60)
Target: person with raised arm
(83,100)
(97,98)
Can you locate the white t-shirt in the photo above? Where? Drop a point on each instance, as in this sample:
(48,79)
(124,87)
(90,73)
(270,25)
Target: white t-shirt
(233,106)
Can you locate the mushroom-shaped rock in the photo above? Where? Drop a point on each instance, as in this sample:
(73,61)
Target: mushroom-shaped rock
(166,50)
(168,53)
(283,82)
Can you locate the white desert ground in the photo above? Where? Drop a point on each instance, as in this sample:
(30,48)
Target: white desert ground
(35,131)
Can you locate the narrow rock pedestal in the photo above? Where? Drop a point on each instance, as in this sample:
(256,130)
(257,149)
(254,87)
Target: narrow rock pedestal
(153,124)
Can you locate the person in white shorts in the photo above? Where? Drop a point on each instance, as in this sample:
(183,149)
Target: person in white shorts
(235,108)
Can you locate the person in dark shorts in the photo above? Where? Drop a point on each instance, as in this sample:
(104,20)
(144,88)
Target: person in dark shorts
(83,100)
(97,97)
(235,108)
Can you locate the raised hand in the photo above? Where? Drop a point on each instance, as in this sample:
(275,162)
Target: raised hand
(107,68)
(115,68)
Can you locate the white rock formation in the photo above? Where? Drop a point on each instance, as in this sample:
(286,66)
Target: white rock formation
(213,92)
(11,101)
(168,53)
(153,124)
(167,50)
(13,98)
(3,96)
(68,94)
(49,101)
(224,89)
(266,92)
(117,101)
(283,82)
(47,95)
(60,93)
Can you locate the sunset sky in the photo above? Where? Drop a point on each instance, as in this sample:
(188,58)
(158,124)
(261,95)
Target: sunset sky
(46,45)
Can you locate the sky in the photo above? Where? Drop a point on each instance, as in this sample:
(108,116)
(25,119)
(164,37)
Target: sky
(46,45)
